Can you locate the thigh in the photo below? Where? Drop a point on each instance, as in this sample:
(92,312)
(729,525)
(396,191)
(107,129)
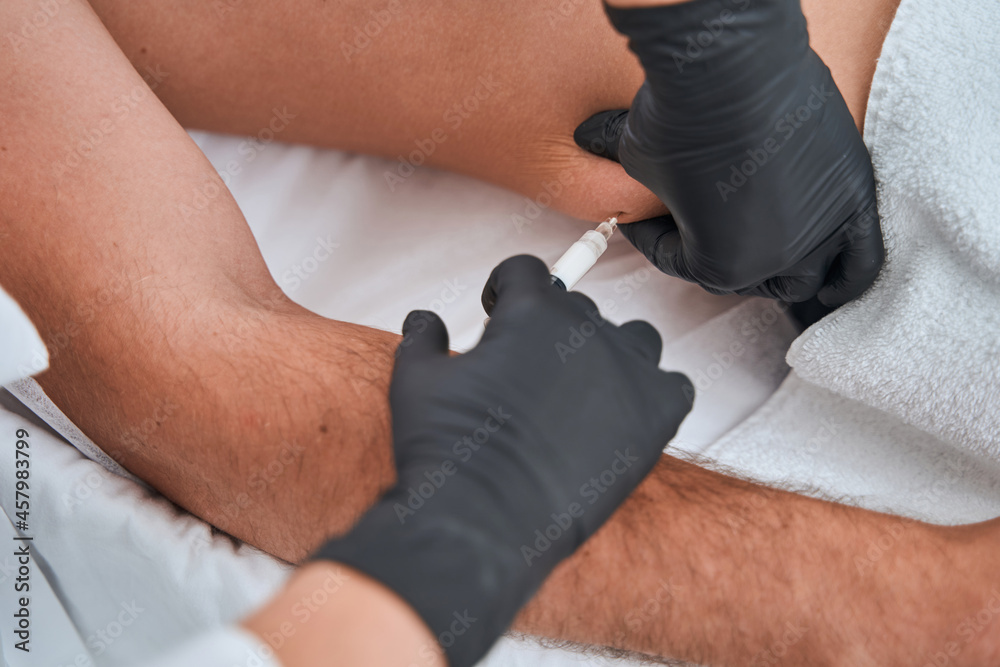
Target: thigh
(493,90)
(848,35)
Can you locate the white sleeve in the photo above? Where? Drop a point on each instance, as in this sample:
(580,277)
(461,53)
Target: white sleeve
(22,352)
(225,647)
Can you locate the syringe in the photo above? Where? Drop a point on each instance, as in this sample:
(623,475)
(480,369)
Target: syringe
(582,255)
(575,262)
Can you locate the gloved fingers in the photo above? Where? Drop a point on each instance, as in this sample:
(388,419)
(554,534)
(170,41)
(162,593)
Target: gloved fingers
(806,279)
(644,339)
(674,397)
(856,268)
(807,313)
(518,275)
(718,291)
(424,336)
(801,286)
(584,303)
(601,133)
(660,241)
(682,384)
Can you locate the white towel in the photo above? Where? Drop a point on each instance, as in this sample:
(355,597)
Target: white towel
(817,442)
(924,344)
(894,400)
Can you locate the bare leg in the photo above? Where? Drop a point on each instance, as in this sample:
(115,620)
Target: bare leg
(230,68)
(170,344)
(548,65)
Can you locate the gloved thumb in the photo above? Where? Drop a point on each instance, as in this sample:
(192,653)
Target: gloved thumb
(600,133)
(515,276)
(645,339)
(424,336)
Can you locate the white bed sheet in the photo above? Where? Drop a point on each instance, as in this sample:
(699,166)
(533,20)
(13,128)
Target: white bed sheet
(365,254)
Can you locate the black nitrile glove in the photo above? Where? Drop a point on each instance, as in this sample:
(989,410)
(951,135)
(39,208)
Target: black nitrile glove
(740,130)
(511,455)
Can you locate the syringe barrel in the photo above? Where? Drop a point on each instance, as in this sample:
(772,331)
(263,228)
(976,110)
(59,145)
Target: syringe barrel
(579,259)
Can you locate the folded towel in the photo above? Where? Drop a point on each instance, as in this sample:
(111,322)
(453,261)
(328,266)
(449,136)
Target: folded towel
(814,441)
(893,402)
(924,344)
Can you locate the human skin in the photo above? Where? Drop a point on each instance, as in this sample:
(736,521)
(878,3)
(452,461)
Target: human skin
(195,372)
(349,628)
(552,65)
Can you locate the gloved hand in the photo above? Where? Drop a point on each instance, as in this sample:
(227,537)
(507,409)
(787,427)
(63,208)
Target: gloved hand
(511,455)
(740,130)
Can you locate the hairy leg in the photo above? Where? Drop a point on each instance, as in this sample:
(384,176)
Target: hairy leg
(715,570)
(170,344)
(538,67)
